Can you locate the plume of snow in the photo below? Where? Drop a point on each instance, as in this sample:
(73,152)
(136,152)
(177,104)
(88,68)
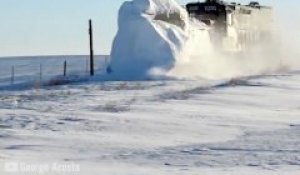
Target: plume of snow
(157,37)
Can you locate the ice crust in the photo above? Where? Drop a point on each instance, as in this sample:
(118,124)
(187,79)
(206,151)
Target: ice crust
(154,36)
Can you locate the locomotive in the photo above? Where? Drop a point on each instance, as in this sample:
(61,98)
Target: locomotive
(232,26)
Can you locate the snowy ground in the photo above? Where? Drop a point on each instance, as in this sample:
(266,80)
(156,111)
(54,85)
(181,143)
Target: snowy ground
(241,127)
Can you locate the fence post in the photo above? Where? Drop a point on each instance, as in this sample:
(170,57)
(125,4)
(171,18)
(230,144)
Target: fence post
(12,75)
(87,66)
(106,61)
(107,65)
(65,68)
(41,74)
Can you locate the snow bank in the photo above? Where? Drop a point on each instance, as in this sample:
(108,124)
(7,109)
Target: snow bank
(154,36)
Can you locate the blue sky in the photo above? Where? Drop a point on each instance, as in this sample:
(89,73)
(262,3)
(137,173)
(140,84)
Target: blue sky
(59,27)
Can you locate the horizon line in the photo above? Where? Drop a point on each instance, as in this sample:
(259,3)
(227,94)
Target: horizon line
(28,56)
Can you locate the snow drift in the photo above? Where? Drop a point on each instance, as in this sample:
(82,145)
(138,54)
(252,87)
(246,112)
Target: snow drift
(155,35)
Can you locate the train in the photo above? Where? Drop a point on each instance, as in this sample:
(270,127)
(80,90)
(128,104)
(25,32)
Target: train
(232,26)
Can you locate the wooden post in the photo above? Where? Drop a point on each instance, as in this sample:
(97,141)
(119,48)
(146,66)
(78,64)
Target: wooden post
(41,73)
(87,66)
(91,49)
(106,61)
(12,75)
(65,68)
(107,65)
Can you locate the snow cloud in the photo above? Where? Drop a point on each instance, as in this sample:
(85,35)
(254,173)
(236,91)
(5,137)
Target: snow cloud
(156,37)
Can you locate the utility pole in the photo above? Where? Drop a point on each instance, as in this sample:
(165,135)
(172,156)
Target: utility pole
(92,72)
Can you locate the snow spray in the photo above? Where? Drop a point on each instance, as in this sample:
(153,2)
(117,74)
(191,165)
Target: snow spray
(156,37)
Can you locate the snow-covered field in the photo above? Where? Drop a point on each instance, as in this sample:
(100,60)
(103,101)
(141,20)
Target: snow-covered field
(240,127)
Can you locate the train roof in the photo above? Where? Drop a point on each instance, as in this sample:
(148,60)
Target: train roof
(252,4)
